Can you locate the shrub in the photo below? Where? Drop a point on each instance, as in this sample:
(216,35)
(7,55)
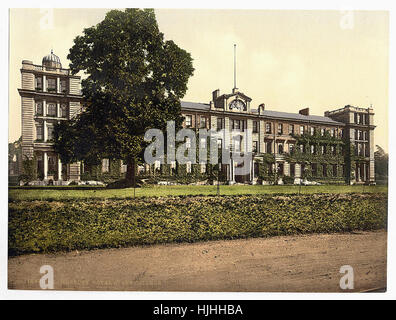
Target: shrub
(49,226)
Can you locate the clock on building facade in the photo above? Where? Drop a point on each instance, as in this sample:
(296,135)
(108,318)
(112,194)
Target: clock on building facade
(238,105)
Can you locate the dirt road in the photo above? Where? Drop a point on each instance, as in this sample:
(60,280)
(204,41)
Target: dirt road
(293,263)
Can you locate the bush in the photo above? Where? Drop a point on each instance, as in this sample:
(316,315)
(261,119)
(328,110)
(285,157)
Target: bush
(288,180)
(49,226)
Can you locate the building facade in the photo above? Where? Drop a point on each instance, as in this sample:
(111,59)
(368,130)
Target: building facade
(49,94)
(336,147)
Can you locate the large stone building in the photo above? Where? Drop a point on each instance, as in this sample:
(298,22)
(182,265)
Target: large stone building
(49,94)
(336,147)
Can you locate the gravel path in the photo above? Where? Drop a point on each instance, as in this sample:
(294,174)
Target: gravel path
(308,263)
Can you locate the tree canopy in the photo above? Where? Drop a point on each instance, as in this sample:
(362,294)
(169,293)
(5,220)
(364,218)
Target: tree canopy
(135,80)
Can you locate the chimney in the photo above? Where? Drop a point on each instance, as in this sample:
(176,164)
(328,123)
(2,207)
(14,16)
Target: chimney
(304,112)
(261,108)
(215,94)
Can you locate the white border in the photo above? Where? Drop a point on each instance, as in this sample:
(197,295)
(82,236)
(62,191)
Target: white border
(230,4)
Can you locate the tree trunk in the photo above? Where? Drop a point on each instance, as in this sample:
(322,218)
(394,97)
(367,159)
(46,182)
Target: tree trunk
(131,172)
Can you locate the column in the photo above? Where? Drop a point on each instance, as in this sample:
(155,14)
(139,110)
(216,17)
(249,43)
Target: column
(44,83)
(45,158)
(252,170)
(44,107)
(233,171)
(58,113)
(364,172)
(45,130)
(58,85)
(230,171)
(59,169)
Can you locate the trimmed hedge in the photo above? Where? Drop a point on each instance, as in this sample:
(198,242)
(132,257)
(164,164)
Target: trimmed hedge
(50,226)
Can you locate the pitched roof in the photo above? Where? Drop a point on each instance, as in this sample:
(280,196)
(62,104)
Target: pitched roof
(195,105)
(268,113)
(300,117)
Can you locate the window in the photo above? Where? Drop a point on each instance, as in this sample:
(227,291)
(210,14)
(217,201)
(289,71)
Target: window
(268,127)
(202,122)
(63,110)
(50,132)
(301,129)
(356,117)
(219,143)
(188,120)
(280,148)
(332,132)
(105,165)
(324,170)
(314,168)
(334,170)
(255,146)
(51,84)
(255,126)
(51,109)
(202,143)
(237,144)
(39,131)
(268,146)
(341,133)
(291,129)
(322,149)
(291,148)
(322,132)
(63,86)
(39,108)
(39,83)
(312,130)
(219,123)
(280,128)
(236,124)
(292,169)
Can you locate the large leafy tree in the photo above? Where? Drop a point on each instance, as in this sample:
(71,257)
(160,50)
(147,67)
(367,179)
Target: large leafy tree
(135,80)
(381,164)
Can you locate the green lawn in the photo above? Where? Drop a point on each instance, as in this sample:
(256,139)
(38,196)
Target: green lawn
(160,191)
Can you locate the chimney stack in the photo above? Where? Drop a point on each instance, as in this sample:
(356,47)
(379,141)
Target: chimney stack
(215,95)
(304,112)
(261,108)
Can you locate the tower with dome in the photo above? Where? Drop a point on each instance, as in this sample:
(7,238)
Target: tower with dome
(49,94)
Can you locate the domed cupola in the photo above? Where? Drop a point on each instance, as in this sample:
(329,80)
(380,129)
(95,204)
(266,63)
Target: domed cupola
(51,61)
